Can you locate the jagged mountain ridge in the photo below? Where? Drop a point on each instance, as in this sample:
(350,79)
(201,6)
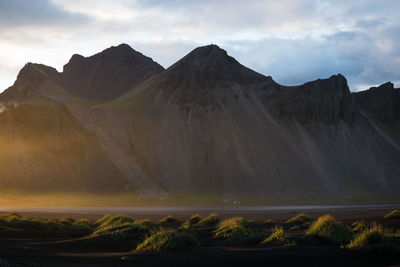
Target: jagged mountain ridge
(98,78)
(209,125)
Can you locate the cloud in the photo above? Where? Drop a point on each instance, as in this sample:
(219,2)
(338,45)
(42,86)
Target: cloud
(36,12)
(294,41)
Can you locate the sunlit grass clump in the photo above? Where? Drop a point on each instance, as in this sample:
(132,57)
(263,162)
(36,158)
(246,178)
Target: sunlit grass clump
(82,226)
(359,226)
(68,221)
(123,231)
(300,219)
(328,228)
(120,227)
(278,237)
(168,240)
(18,222)
(169,221)
(147,223)
(233,227)
(212,220)
(194,219)
(113,221)
(375,234)
(394,214)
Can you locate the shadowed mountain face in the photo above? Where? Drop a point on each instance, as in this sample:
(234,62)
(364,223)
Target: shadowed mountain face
(45,148)
(98,78)
(107,75)
(209,125)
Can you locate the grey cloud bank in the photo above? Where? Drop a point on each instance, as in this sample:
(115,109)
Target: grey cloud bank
(293,41)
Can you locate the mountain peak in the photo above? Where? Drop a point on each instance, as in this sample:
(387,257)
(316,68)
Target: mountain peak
(211,50)
(119,50)
(33,72)
(108,74)
(212,63)
(28,79)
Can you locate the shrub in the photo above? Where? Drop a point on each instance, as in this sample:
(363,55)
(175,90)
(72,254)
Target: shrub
(300,219)
(52,225)
(375,234)
(278,236)
(123,231)
(394,214)
(194,219)
(15,220)
(169,220)
(212,220)
(82,226)
(234,227)
(68,221)
(113,221)
(328,228)
(168,240)
(359,227)
(148,224)
(102,220)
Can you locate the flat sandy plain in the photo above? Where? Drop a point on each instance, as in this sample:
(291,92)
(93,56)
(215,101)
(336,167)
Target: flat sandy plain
(30,248)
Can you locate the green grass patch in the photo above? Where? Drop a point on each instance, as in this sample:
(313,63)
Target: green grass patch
(70,225)
(82,226)
(278,237)
(374,235)
(122,227)
(212,220)
(194,219)
(113,220)
(123,231)
(300,219)
(149,224)
(169,221)
(168,240)
(68,221)
(394,214)
(359,226)
(326,227)
(233,227)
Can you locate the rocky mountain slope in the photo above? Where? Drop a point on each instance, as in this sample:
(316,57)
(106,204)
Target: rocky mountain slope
(209,125)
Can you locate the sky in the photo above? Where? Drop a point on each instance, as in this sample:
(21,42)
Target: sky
(294,41)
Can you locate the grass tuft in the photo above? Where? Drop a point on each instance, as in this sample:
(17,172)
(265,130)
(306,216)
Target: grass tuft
(328,228)
(82,226)
(194,219)
(359,226)
(394,214)
(233,227)
(278,237)
(149,224)
(68,221)
(212,220)
(123,231)
(300,219)
(169,221)
(375,234)
(16,221)
(113,221)
(168,240)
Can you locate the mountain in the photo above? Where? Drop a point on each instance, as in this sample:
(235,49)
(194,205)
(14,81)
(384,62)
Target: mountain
(98,78)
(210,126)
(46,148)
(108,74)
